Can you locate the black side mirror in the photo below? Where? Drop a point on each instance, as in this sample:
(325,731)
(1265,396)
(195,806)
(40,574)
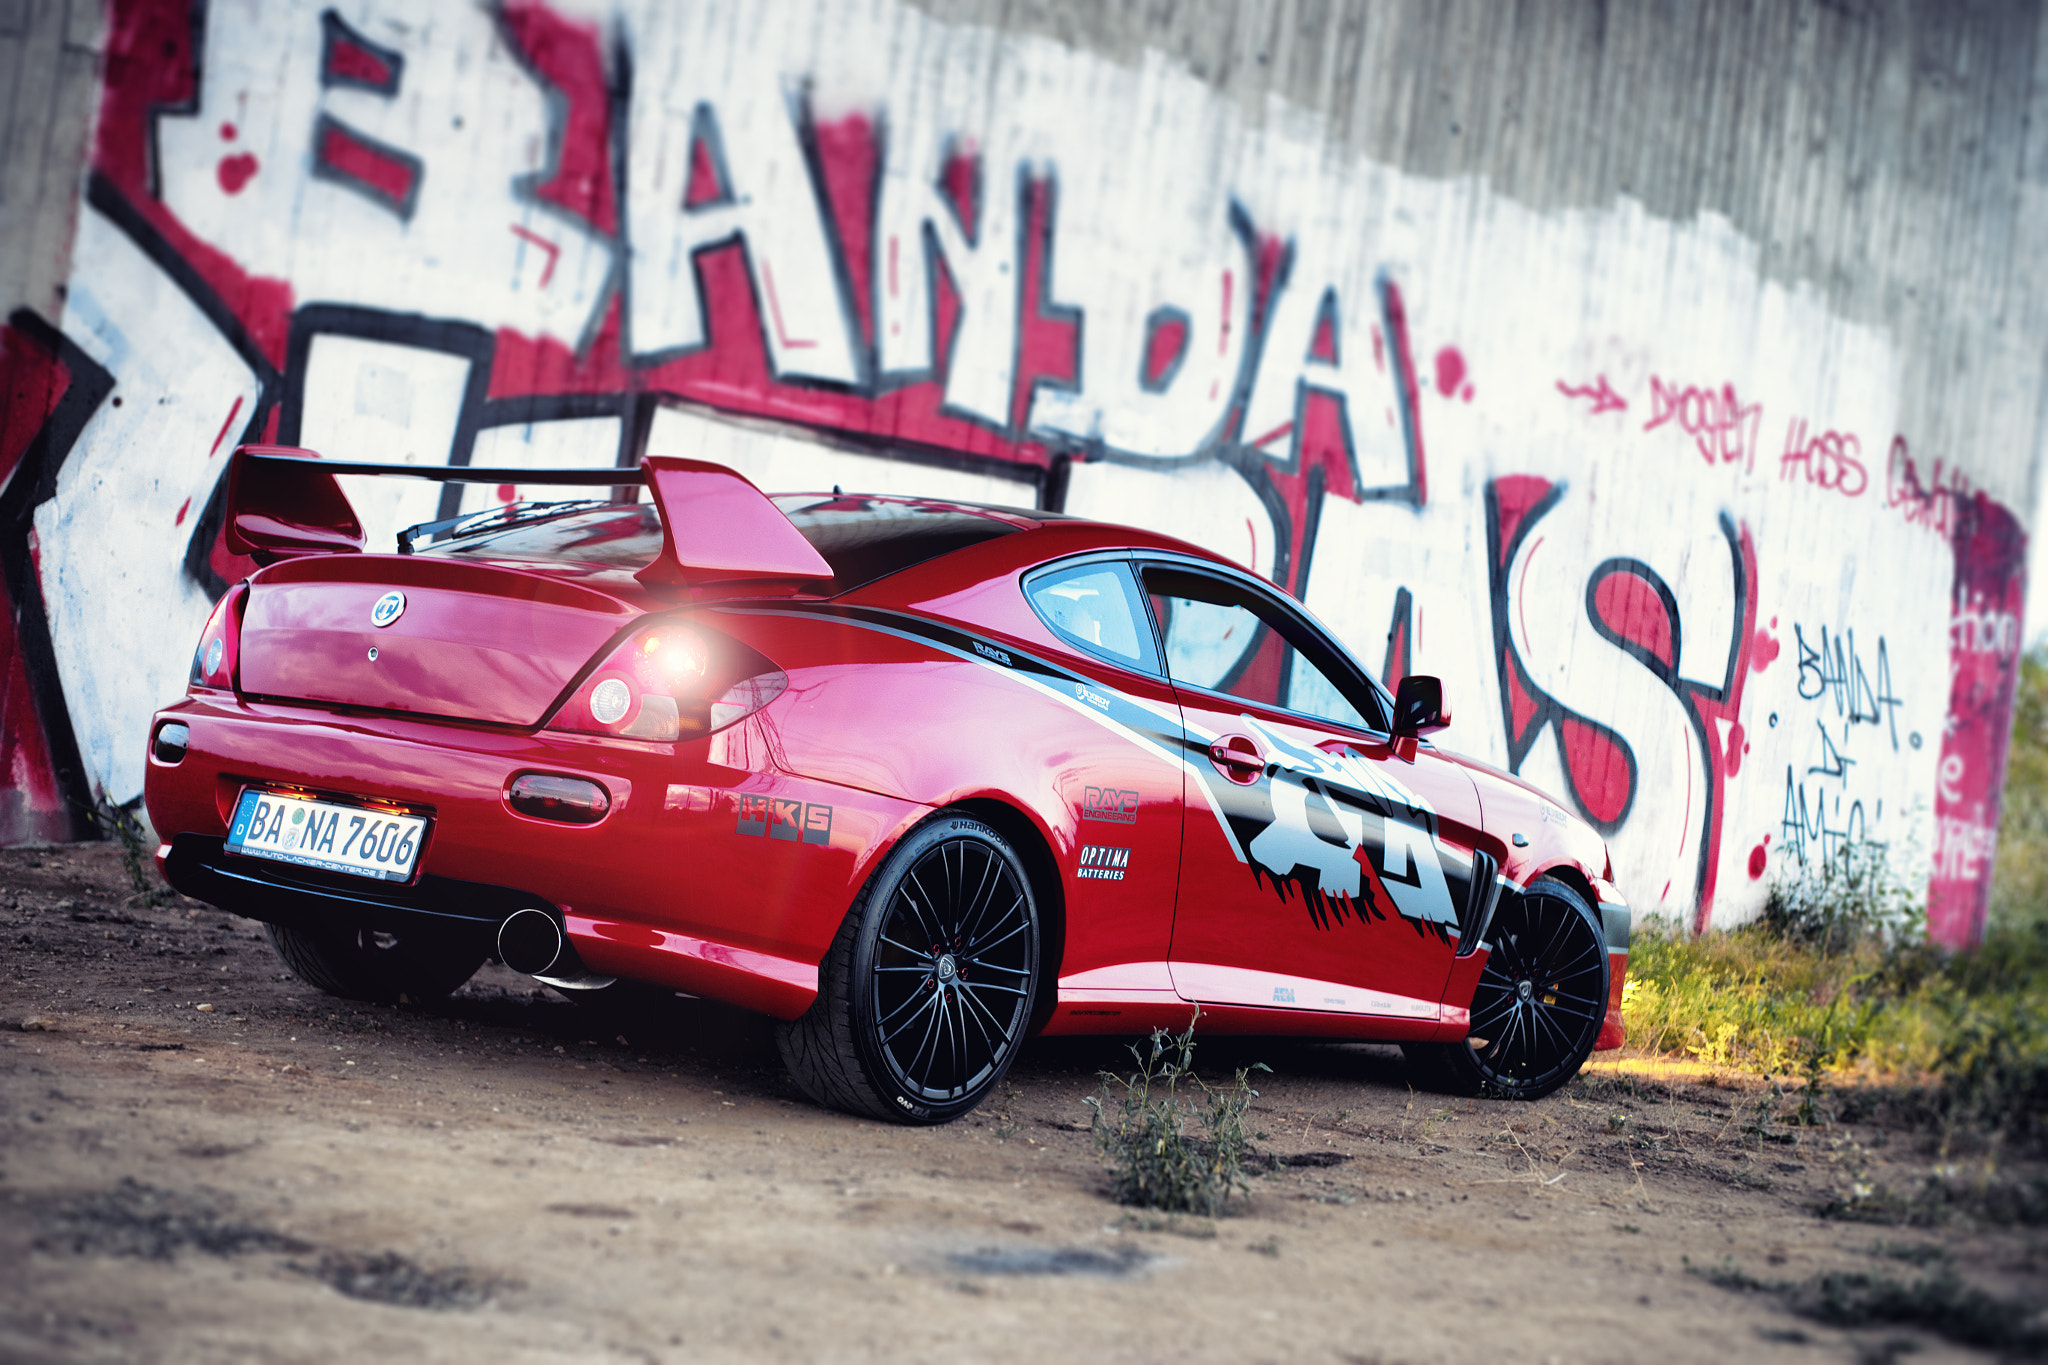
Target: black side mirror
(1419,706)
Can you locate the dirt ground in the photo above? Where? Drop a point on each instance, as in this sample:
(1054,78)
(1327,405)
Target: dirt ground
(204,1159)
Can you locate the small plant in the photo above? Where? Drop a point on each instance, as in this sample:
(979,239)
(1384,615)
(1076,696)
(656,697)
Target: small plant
(1948,1195)
(1956,1043)
(1939,1303)
(121,824)
(1844,901)
(1143,1123)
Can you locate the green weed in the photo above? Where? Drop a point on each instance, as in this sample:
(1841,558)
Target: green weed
(1145,1124)
(1939,1302)
(1839,903)
(2019,880)
(1956,1042)
(1947,1196)
(137,858)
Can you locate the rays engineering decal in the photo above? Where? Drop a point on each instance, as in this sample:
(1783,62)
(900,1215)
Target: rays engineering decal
(1112,805)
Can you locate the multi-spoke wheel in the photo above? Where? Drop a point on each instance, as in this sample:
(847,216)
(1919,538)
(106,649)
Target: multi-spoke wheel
(1540,1001)
(925,996)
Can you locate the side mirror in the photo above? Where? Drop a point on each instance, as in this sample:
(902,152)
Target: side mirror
(1419,706)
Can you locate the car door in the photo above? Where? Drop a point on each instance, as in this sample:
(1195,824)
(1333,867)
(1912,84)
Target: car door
(1322,867)
(1118,775)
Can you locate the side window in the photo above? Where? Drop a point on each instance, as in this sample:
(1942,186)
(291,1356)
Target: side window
(1096,607)
(1225,637)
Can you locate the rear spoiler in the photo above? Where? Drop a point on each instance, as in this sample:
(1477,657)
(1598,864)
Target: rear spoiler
(716,527)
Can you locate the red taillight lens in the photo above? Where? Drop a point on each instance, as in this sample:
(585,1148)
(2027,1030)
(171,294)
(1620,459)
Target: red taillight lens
(670,681)
(213,663)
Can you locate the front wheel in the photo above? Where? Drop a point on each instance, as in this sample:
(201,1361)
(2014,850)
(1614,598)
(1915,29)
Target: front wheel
(925,995)
(363,964)
(1540,1001)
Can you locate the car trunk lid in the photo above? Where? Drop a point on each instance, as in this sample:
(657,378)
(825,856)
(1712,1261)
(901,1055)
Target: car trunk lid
(483,642)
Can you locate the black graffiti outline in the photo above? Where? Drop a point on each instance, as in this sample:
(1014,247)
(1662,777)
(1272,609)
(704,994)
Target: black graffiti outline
(705,133)
(933,259)
(797,109)
(333,29)
(555,103)
(102,194)
(1546,708)
(1164,315)
(1400,637)
(1665,671)
(326,125)
(471,342)
(804,118)
(1328,315)
(1841,672)
(195,20)
(1799,831)
(34,482)
(1393,331)
(1691,694)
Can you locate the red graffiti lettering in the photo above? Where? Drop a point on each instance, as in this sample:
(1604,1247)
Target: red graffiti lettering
(1929,502)
(1721,425)
(1605,399)
(1829,460)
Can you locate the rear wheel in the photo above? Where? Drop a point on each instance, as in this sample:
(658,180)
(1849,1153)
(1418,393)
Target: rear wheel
(926,994)
(364,964)
(1540,1001)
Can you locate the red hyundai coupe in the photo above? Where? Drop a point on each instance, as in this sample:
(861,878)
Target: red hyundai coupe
(919,779)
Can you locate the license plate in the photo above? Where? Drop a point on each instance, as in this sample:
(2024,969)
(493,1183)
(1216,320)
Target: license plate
(312,833)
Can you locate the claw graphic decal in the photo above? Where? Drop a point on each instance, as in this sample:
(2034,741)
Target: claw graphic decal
(1355,844)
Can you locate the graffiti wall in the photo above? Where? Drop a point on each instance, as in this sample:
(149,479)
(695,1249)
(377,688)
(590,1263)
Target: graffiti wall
(1653,514)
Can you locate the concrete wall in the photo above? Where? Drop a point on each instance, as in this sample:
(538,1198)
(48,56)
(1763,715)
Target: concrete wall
(1666,378)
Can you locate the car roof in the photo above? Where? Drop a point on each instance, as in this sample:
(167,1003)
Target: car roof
(1105,535)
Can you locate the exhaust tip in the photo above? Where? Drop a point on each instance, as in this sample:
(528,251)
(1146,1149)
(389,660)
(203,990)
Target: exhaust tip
(529,941)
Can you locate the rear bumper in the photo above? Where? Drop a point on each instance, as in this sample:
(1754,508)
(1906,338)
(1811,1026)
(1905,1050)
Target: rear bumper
(200,867)
(673,886)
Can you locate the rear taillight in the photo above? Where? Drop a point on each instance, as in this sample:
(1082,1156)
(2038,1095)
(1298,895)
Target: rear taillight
(670,681)
(213,663)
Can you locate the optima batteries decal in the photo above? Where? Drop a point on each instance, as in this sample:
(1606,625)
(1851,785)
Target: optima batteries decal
(1103,864)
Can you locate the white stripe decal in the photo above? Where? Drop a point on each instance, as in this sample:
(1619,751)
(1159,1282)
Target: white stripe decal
(1220,985)
(1063,695)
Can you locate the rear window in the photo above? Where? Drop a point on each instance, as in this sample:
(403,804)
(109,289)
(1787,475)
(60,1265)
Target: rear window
(862,538)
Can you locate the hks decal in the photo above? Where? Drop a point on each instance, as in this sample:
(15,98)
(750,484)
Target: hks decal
(781,818)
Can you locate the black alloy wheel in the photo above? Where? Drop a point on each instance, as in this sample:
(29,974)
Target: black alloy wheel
(1540,1002)
(926,995)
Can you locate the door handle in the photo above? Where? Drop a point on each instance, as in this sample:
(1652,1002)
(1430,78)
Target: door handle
(1238,759)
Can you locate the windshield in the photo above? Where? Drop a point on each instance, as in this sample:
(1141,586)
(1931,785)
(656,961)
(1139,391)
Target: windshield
(861,538)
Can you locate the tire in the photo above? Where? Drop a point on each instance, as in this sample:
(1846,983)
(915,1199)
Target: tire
(925,995)
(362,964)
(1541,999)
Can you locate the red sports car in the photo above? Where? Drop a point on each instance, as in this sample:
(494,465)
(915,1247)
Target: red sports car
(919,779)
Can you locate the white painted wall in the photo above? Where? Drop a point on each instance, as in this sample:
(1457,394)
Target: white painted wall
(1581,346)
